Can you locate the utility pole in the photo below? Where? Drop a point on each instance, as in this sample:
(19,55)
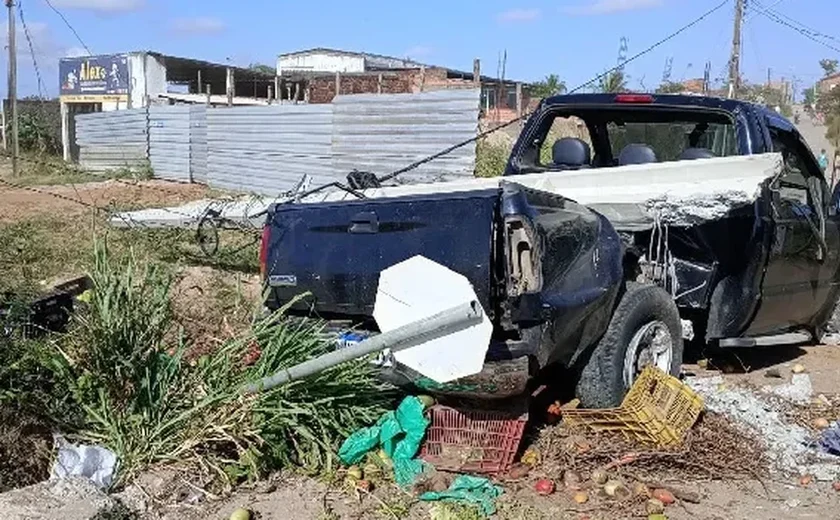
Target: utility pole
(13,86)
(735,58)
(706,73)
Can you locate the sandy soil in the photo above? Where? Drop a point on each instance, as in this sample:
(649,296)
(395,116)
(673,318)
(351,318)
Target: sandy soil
(20,203)
(774,497)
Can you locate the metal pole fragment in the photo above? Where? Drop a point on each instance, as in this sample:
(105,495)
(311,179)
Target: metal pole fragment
(441,324)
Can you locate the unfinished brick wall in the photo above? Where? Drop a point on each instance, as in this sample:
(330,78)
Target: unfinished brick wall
(322,89)
(435,78)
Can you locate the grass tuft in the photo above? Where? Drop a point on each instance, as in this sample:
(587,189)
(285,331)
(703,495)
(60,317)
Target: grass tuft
(144,401)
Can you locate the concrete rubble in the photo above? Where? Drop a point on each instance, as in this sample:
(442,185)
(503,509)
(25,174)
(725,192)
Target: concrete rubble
(791,447)
(798,391)
(680,193)
(188,215)
(64,499)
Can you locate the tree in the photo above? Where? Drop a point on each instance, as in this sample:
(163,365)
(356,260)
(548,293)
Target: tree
(670,87)
(765,95)
(613,82)
(263,69)
(810,95)
(829,66)
(549,86)
(829,103)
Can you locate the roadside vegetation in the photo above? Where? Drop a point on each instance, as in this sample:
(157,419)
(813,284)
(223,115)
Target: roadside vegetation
(124,377)
(156,354)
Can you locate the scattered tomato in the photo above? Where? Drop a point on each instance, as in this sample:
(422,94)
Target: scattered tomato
(544,487)
(664,496)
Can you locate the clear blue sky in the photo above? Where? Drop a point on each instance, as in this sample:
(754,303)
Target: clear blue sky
(575,39)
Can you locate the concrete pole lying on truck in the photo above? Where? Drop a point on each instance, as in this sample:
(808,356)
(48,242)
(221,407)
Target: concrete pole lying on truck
(441,324)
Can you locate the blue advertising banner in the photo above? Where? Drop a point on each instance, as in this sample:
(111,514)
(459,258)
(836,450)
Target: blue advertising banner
(94,76)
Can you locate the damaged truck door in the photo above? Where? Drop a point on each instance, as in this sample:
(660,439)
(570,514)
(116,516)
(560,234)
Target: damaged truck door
(799,284)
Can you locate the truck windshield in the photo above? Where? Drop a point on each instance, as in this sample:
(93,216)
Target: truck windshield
(593,136)
(669,140)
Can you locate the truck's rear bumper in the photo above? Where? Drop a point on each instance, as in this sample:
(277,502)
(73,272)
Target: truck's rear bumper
(497,380)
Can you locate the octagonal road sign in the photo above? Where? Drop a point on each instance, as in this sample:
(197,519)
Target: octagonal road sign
(418,288)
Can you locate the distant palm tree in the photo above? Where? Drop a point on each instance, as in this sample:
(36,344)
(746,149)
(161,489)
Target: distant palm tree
(614,81)
(550,86)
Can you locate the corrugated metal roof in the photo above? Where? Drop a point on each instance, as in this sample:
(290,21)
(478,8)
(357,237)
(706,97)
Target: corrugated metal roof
(375,61)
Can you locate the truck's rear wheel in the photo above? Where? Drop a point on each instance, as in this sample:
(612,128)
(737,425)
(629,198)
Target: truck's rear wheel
(645,329)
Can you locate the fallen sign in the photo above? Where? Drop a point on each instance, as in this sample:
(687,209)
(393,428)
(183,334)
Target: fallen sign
(430,319)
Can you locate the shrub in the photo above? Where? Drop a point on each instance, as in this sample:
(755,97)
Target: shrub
(490,158)
(146,403)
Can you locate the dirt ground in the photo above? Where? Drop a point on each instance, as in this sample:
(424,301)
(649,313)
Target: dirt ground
(767,496)
(19,203)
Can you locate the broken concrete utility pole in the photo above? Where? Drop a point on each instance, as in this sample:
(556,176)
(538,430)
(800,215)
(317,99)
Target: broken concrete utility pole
(407,336)
(735,58)
(13,113)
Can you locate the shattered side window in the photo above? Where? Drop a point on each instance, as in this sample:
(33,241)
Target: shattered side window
(563,127)
(670,139)
(792,194)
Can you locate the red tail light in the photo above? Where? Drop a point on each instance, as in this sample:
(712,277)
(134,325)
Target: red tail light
(264,252)
(634,98)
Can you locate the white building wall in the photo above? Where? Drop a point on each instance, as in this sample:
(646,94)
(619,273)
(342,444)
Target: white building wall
(321,62)
(148,78)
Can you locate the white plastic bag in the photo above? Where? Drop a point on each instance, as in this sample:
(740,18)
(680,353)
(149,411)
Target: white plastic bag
(95,463)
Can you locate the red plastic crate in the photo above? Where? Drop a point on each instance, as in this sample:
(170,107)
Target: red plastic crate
(472,441)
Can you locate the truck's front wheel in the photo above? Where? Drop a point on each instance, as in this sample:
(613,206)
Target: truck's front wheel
(645,329)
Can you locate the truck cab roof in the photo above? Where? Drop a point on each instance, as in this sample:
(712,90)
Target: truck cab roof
(709,102)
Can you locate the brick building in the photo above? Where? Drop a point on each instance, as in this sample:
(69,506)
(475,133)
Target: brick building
(317,75)
(828,83)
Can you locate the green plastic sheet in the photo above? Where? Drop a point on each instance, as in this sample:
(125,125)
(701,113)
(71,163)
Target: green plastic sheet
(398,433)
(466,489)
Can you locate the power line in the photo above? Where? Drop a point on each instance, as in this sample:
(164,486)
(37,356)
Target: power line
(41,93)
(805,27)
(771,16)
(484,134)
(69,26)
(655,45)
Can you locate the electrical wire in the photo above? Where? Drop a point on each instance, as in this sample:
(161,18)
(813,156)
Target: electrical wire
(813,36)
(69,26)
(795,22)
(597,78)
(42,93)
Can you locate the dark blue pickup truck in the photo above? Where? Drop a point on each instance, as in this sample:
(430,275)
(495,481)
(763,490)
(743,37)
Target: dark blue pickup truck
(563,284)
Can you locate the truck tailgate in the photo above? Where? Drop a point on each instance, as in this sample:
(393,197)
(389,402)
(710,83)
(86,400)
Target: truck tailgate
(336,250)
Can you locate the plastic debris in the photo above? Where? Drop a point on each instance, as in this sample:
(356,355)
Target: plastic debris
(830,441)
(465,489)
(95,463)
(798,391)
(399,435)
